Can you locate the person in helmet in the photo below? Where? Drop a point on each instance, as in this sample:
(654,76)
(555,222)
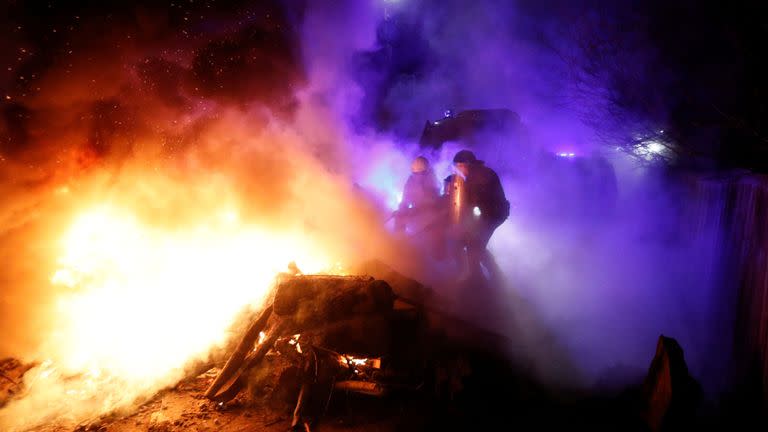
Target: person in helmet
(422,213)
(420,196)
(483,207)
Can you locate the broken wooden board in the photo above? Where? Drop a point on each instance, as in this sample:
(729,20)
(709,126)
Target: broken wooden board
(318,299)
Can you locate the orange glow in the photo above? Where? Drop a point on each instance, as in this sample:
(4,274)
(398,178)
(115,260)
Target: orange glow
(354,362)
(137,303)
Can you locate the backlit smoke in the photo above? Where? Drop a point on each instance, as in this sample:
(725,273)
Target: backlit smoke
(294,124)
(155,182)
(603,250)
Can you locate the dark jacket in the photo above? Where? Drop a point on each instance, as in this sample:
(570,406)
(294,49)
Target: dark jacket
(420,191)
(484,190)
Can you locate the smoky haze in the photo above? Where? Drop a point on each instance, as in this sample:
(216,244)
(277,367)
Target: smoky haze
(174,113)
(306,116)
(604,250)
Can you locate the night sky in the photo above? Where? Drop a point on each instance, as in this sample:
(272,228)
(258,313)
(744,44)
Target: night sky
(695,70)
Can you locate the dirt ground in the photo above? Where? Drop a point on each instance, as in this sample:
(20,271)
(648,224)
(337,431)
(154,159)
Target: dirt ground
(184,408)
(493,402)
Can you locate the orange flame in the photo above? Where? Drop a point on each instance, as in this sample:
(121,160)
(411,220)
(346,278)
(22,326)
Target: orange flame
(139,303)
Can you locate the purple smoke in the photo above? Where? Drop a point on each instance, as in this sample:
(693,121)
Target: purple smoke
(604,264)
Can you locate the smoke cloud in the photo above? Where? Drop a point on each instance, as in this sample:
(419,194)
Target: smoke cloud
(604,251)
(305,116)
(176,116)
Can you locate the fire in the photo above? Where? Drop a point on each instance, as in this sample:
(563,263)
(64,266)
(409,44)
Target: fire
(138,303)
(295,342)
(354,362)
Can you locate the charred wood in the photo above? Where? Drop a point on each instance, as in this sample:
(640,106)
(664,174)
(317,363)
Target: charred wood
(363,387)
(404,287)
(368,336)
(320,370)
(229,385)
(236,359)
(312,300)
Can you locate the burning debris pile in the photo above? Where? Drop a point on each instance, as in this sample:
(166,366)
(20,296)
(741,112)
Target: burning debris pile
(317,339)
(371,345)
(338,329)
(315,335)
(326,334)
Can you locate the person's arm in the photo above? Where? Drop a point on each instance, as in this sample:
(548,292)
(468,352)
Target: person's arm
(434,185)
(498,189)
(500,201)
(407,194)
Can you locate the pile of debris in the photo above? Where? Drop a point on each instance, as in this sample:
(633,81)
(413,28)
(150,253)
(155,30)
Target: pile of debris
(329,333)
(325,338)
